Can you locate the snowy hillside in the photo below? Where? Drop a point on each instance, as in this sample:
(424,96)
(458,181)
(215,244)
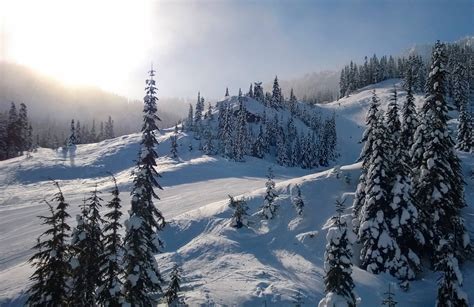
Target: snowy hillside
(268,263)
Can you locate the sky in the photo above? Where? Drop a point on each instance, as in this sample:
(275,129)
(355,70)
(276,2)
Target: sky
(208,45)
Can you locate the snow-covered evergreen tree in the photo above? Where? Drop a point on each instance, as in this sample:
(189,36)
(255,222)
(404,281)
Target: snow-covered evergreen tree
(371,121)
(393,126)
(464,139)
(258,92)
(375,235)
(258,148)
(226,134)
(409,115)
(389,299)
(241,142)
(174,146)
(172,292)
(72,140)
(199,110)
(275,101)
(297,200)
(269,207)
(438,182)
(111,270)
(293,102)
(50,279)
(190,120)
(240,215)
(109,129)
(450,293)
(250,93)
(339,286)
(226,92)
(142,275)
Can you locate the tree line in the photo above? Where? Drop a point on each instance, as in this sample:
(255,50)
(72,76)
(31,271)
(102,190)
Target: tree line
(16,132)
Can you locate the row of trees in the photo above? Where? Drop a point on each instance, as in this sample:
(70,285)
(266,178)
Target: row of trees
(99,266)
(16,132)
(238,132)
(83,135)
(408,201)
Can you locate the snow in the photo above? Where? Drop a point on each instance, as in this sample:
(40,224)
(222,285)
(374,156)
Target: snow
(267,262)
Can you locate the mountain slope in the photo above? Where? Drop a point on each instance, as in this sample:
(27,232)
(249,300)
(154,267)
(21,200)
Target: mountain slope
(266,263)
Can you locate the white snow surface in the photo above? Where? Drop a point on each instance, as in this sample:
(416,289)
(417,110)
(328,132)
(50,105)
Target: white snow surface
(268,262)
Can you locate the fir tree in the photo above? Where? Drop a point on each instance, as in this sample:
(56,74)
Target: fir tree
(174,146)
(438,181)
(190,119)
(109,128)
(250,93)
(375,235)
(258,92)
(450,293)
(240,148)
(409,115)
(371,121)
(111,271)
(269,207)
(72,140)
(464,140)
(50,279)
(338,281)
(389,299)
(172,292)
(208,147)
(293,102)
(13,132)
(23,126)
(258,149)
(276,94)
(226,135)
(297,200)
(226,92)
(240,215)
(142,275)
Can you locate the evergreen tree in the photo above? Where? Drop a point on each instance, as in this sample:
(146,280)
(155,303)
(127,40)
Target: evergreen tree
(199,110)
(296,152)
(13,132)
(93,133)
(226,92)
(275,101)
(450,293)
(409,115)
(72,140)
(393,125)
(371,121)
(78,131)
(226,135)
(258,149)
(241,144)
(438,181)
(23,126)
(87,242)
(109,128)
(375,235)
(240,215)
(3,137)
(209,114)
(142,275)
(293,102)
(172,292)
(269,207)
(50,279)
(174,146)
(111,271)
(464,140)
(389,299)
(282,149)
(190,120)
(208,147)
(338,281)
(258,92)
(297,200)
(250,93)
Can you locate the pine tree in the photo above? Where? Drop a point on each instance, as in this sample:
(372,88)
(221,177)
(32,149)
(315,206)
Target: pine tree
(450,293)
(389,299)
(198,110)
(296,152)
(275,101)
(50,279)
(72,140)
(371,121)
(174,146)
(23,126)
(438,182)
(293,102)
(250,93)
(338,281)
(13,132)
(3,137)
(258,92)
(190,119)
(92,133)
(258,149)
(409,115)
(226,135)
(111,271)
(78,131)
(269,207)
(172,292)
(393,125)
(226,92)
(209,114)
(464,139)
(142,275)
(282,149)
(208,147)
(375,235)
(241,142)
(89,247)
(240,215)
(109,128)
(297,200)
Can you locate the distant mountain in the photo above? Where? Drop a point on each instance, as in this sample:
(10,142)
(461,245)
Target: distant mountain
(49,100)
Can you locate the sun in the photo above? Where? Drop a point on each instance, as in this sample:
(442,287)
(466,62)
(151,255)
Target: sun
(79,42)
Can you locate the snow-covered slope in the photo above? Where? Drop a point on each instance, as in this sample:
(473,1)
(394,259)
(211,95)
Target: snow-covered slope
(266,263)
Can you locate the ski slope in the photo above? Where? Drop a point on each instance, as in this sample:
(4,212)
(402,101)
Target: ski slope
(268,263)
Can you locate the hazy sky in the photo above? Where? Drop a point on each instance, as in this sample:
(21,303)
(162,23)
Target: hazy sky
(209,44)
